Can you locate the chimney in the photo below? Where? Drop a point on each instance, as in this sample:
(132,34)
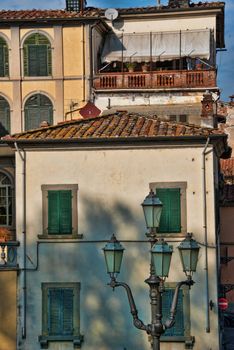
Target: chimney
(179,3)
(75,5)
(207,114)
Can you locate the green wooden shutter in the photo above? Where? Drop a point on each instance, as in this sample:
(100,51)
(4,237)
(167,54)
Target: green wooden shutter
(42,63)
(60,311)
(60,212)
(68,311)
(178,328)
(32,60)
(2,71)
(32,118)
(53,212)
(65,212)
(5,118)
(55,299)
(171,213)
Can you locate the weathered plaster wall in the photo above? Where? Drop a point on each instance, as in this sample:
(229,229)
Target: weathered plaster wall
(109,202)
(8,310)
(170,23)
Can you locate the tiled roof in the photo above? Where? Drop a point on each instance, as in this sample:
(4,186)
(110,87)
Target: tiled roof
(118,125)
(227,167)
(7,15)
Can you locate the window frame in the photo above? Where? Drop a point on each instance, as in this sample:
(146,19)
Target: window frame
(6,112)
(186,338)
(5,49)
(12,197)
(38,107)
(183,205)
(76,337)
(37,36)
(74,208)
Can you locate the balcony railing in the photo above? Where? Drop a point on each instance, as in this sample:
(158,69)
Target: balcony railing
(8,255)
(156,80)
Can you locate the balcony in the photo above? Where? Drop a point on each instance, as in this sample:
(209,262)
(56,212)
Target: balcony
(182,79)
(8,255)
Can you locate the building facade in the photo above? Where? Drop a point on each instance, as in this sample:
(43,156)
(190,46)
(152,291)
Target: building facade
(161,60)
(63,223)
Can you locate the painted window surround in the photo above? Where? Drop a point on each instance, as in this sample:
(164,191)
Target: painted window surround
(45,337)
(74,234)
(183,186)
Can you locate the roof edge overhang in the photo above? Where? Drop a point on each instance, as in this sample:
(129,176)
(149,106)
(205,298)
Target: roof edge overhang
(219,142)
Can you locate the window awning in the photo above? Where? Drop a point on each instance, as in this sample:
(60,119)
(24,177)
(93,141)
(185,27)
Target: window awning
(140,47)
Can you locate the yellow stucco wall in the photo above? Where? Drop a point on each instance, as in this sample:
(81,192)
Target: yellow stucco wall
(72,48)
(8,310)
(24,32)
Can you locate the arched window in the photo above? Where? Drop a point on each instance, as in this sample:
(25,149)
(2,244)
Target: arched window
(37,56)
(4,58)
(6,200)
(4,117)
(38,108)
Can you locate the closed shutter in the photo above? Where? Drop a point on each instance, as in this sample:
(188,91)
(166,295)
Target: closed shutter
(178,328)
(54,311)
(65,212)
(5,118)
(171,213)
(32,60)
(37,60)
(60,311)
(2,71)
(53,212)
(42,60)
(32,118)
(46,114)
(68,311)
(59,212)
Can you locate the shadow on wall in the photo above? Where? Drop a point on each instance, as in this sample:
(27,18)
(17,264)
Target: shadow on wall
(8,310)
(105,317)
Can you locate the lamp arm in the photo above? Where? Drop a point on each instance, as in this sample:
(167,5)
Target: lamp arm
(171,320)
(136,321)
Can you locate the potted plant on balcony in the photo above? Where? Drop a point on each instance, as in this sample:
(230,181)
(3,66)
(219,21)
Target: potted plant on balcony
(145,67)
(131,66)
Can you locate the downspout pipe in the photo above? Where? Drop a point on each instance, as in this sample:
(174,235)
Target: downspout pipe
(22,155)
(206,235)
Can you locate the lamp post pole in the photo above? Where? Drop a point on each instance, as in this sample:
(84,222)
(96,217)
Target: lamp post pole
(161,254)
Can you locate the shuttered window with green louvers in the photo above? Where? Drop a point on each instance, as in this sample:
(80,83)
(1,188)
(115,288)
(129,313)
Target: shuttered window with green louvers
(38,108)
(178,329)
(60,314)
(170,221)
(60,212)
(4,58)
(60,311)
(4,117)
(37,56)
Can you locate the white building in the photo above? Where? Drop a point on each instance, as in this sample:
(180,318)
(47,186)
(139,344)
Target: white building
(96,173)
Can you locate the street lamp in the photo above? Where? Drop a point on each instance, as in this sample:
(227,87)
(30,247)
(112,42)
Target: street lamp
(161,254)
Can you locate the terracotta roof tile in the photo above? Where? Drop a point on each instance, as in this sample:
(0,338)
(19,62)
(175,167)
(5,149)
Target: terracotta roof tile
(119,125)
(227,167)
(8,15)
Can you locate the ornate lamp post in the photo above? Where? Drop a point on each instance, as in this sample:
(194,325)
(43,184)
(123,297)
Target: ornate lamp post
(161,254)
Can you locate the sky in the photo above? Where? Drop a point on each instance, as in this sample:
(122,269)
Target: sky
(225,60)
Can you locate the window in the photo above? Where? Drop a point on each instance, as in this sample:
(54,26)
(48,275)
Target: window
(4,117)
(59,204)
(181,330)
(38,108)
(6,198)
(173,197)
(60,313)
(4,58)
(37,56)
(181,118)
